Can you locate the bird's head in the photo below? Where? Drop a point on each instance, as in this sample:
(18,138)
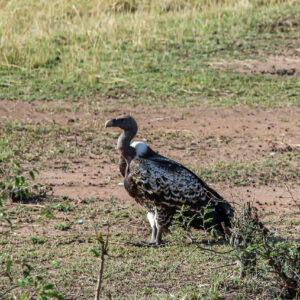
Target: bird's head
(129,125)
(126,123)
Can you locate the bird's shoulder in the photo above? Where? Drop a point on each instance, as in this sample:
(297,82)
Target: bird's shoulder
(150,164)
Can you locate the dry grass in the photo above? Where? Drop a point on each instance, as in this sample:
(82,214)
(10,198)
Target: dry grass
(32,30)
(143,50)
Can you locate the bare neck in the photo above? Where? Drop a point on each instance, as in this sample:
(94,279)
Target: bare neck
(124,147)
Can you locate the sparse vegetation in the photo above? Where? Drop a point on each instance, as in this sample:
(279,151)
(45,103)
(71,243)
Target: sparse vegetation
(263,171)
(15,186)
(62,226)
(28,285)
(254,242)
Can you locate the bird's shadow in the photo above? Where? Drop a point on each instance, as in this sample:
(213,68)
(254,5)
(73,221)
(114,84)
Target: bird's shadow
(207,242)
(148,244)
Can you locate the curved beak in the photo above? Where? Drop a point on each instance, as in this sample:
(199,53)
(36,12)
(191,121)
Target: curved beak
(110,123)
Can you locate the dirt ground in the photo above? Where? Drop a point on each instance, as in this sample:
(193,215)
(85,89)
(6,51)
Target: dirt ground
(237,134)
(271,65)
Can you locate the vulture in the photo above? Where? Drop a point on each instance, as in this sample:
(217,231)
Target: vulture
(164,186)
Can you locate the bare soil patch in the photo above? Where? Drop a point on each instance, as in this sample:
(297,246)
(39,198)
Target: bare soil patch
(272,65)
(193,136)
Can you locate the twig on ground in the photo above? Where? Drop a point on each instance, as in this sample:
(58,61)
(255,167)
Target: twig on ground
(7,291)
(223,266)
(174,268)
(32,205)
(216,252)
(145,244)
(292,196)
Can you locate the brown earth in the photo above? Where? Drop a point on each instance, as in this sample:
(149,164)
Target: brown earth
(272,65)
(192,136)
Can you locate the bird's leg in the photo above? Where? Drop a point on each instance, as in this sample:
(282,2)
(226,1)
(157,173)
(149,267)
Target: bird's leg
(153,235)
(159,228)
(151,218)
(158,234)
(162,219)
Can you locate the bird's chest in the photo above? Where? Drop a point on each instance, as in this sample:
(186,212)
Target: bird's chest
(130,186)
(133,184)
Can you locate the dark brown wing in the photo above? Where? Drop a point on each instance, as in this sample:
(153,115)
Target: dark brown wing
(169,185)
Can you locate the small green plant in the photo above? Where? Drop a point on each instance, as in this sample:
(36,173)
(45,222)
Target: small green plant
(16,184)
(148,291)
(62,226)
(65,206)
(30,284)
(47,212)
(38,239)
